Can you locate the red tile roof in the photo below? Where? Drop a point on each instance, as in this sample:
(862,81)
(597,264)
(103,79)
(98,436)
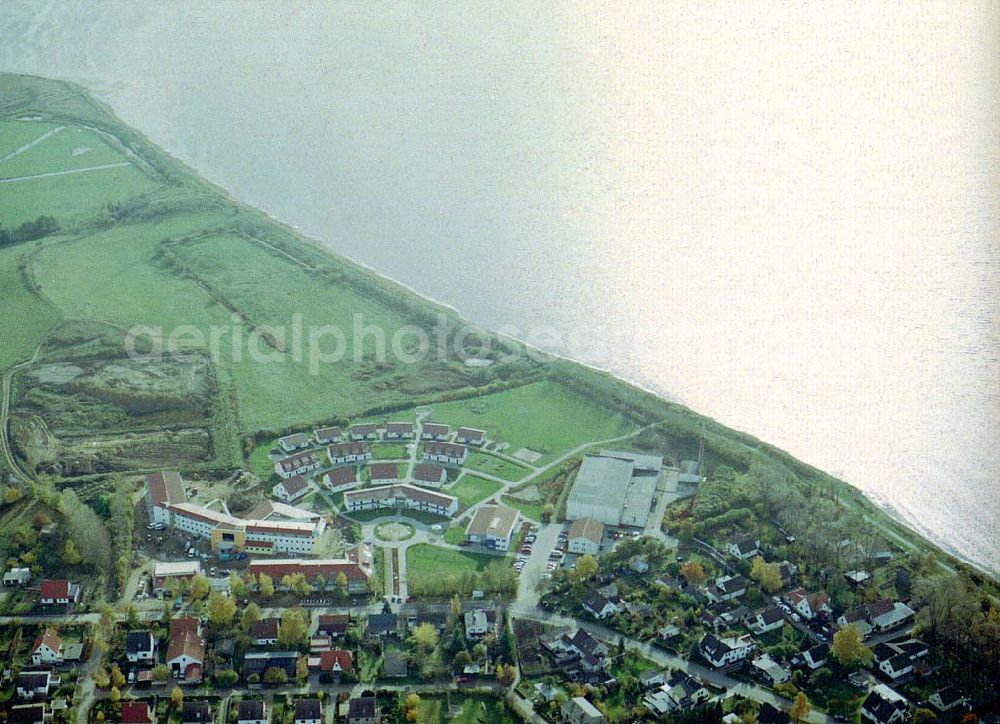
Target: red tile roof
(184,640)
(165,487)
(311,569)
(295,484)
(331,660)
(136,712)
(50,638)
(384,471)
(428,473)
(55,589)
(342,476)
(343,449)
(451,449)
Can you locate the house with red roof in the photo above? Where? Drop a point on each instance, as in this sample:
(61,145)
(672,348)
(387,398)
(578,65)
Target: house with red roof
(138,712)
(809,605)
(186,651)
(48,648)
(336,661)
(291,488)
(59,592)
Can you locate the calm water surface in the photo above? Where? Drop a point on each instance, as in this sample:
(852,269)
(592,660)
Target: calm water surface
(785,217)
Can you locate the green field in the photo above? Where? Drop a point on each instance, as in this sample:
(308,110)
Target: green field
(424,560)
(491,464)
(68,149)
(545,417)
(474,710)
(25,319)
(471,489)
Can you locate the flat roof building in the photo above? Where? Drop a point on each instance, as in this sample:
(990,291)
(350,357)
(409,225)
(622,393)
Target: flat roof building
(614,488)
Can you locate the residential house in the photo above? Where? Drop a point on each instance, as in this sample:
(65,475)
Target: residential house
(186,650)
(29,714)
(382,625)
(341,477)
(308,711)
(258,662)
(384,473)
(333,625)
(727,588)
(448,453)
(887,615)
(585,536)
(342,453)
(291,488)
(17,577)
(947,699)
(816,656)
(140,647)
(253,711)
(681,691)
(196,712)
(356,565)
(265,631)
(291,443)
(476,624)
(900,658)
(137,712)
(884,706)
(35,684)
(328,435)
(299,464)
(409,496)
(652,678)
(580,711)
(771,670)
(597,605)
(48,648)
(493,526)
(434,431)
(470,436)
(362,710)
(399,431)
(336,661)
(857,617)
(725,651)
(770,619)
(743,546)
(430,474)
(394,665)
(809,605)
(364,432)
(59,592)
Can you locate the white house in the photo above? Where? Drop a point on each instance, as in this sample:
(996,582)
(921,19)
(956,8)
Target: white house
(744,547)
(291,489)
(769,619)
(59,592)
(771,670)
(448,453)
(896,614)
(724,651)
(17,577)
(186,651)
(435,431)
(140,646)
(48,649)
(163,489)
(328,435)
(899,658)
(585,536)
(367,431)
(597,605)
(430,474)
(31,684)
(808,605)
(291,443)
(297,464)
(349,452)
(470,436)
(580,711)
(884,706)
(816,656)
(477,624)
(399,431)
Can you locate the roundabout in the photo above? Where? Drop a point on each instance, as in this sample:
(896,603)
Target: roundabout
(394,531)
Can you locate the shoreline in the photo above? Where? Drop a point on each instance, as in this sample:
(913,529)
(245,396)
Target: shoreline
(877,502)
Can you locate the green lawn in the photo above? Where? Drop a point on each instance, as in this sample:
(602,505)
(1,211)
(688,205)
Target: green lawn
(15,134)
(486,463)
(454,535)
(389,451)
(545,416)
(474,710)
(528,510)
(470,489)
(424,560)
(260,462)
